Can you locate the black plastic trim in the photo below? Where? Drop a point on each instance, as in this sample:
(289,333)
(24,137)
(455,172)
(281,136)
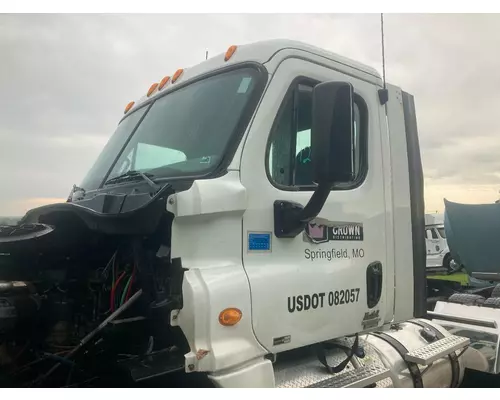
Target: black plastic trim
(383,96)
(364,118)
(417,204)
(132,187)
(374,272)
(290,218)
(104,213)
(237,135)
(177,277)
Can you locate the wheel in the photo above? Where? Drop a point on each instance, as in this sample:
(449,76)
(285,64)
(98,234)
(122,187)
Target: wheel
(496,291)
(466,299)
(492,302)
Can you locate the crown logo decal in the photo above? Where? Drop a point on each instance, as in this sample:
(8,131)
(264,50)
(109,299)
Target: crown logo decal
(316,231)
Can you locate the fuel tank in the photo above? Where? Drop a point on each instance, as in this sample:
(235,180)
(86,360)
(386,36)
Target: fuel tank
(413,335)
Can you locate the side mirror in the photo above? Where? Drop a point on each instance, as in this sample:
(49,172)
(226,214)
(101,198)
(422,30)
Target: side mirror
(332,132)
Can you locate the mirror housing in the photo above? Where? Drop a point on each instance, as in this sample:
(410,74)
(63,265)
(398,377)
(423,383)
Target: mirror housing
(332,132)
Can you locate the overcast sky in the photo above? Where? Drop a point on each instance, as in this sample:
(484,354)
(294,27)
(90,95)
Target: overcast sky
(65,79)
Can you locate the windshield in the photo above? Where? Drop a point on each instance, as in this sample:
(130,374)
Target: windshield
(184,133)
(442,233)
(94,177)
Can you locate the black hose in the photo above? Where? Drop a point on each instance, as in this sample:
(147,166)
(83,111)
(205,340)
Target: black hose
(91,335)
(59,358)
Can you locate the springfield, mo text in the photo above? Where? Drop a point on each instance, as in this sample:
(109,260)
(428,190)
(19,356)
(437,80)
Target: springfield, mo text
(333,254)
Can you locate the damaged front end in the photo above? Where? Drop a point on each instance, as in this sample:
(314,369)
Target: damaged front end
(86,291)
(88,286)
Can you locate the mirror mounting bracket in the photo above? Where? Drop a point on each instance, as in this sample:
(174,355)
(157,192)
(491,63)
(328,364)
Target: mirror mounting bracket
(290,218)
(287,223)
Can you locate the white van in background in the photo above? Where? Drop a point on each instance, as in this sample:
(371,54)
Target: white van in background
(438,253)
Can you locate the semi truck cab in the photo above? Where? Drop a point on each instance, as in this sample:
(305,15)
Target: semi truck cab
(264,202)
(252,118)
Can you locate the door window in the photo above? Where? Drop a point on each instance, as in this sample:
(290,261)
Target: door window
(431,233)
(289,152)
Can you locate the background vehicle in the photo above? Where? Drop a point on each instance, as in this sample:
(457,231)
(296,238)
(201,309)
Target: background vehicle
(473,230)
(438,253)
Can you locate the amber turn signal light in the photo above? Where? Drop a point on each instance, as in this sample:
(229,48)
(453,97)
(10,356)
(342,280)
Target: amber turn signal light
(230,316)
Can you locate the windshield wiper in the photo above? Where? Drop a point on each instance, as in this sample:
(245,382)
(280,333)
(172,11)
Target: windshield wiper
(129,175)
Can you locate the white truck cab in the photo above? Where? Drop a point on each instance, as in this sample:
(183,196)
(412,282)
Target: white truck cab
(310,255)
(266,210)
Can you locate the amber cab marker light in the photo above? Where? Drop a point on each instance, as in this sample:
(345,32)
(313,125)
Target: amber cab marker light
(163,82)
(229,53)
(177,75)
(152,89)
(129,106)
(230,317)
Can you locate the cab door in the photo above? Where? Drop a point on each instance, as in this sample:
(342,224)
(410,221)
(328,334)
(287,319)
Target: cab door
(434,245)
(443,244)
(332,279)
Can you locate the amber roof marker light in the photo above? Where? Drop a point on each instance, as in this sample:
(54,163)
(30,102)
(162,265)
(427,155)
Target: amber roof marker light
(152,89)
(163,82)
(230,52)
(129,106)
(177,75)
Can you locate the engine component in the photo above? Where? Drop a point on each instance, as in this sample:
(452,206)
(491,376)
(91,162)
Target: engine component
(66,273)
(18,304)
(91,335)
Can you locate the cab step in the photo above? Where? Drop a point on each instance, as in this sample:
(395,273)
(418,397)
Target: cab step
(441,348)
(355,378)
(302,369)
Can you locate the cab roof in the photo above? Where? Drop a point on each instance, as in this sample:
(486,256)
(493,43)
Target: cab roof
(260,52)
(434,219)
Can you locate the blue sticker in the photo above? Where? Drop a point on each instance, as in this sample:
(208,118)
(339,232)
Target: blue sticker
(259,242)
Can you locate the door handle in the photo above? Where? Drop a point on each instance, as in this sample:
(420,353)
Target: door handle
(373,283)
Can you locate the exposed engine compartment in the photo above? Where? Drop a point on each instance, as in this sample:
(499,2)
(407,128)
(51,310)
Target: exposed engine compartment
(83,305)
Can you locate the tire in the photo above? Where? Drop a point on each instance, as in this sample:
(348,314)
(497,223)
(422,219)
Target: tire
(492,302)
(447,263)
(496,291)
(466,299)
